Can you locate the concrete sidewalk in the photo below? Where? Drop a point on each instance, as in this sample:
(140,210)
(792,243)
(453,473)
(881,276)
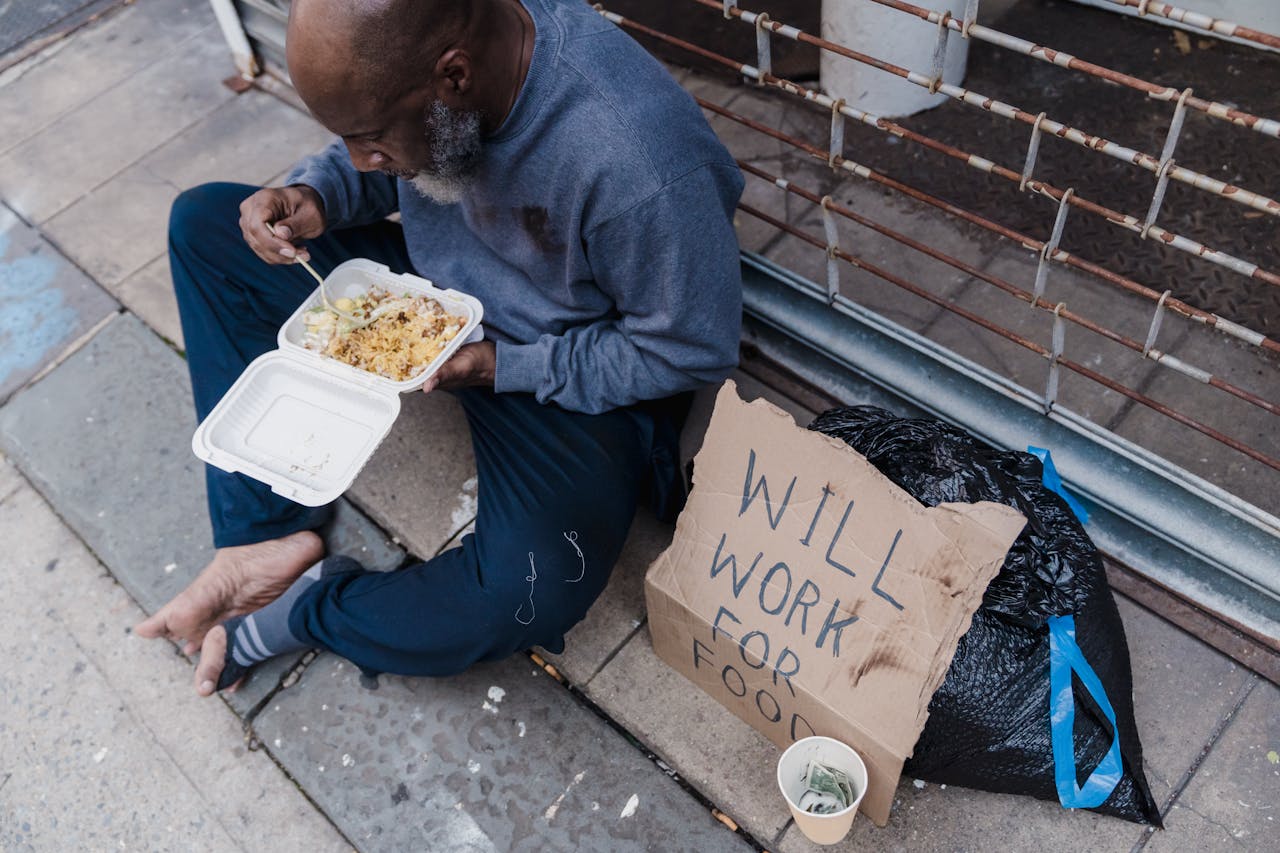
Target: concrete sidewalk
(102,743)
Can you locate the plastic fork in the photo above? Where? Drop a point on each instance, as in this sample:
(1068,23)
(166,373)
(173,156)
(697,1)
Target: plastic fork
(356,322)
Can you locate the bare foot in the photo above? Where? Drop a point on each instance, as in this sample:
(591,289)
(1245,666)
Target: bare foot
(239,580)
(213,655)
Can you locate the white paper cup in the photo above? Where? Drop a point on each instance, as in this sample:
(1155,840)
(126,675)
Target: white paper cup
(821,828)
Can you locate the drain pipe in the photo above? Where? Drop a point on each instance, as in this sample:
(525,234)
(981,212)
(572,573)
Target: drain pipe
(889,35)
(233,32)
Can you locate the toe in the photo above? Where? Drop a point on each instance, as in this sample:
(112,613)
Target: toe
(212,655)
(152,627)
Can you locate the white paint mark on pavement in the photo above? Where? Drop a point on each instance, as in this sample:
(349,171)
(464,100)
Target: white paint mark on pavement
(630,808)
(550,814)
(99,755)
(473,766)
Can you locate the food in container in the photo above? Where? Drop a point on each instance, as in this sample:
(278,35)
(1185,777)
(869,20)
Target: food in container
(404,335)
(304,422)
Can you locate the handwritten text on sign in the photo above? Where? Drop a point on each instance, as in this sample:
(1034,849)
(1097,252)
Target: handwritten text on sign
(767,592)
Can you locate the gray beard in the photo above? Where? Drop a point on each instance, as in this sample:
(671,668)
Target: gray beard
(441,190)
(454,140)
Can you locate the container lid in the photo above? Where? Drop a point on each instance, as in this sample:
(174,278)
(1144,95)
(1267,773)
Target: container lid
(304,423)
(304,430)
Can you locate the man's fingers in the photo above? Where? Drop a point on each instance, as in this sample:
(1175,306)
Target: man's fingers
(453,370)
(270,224)
(279,239)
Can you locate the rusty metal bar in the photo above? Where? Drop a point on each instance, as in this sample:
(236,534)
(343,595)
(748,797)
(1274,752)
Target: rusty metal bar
(1270,127)
(1147,350)
(1163,167)
(1200,21)
(1026,343)
(1026,241)
(1122,220)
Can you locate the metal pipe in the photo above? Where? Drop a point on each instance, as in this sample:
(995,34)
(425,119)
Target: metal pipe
(233,32)
(1145,350)
(1026,241)
(1020,340)
(1039,122)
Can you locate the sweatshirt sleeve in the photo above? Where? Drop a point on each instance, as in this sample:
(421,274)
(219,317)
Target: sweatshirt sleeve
(670,264)
(350,197)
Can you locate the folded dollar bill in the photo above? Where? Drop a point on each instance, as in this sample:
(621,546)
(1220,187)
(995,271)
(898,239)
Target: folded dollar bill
(827,789)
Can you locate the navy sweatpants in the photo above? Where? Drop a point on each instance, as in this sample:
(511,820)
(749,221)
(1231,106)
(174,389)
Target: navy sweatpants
(557,489)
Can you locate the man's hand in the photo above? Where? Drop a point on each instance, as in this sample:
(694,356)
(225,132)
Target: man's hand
(473,364)
(293,213)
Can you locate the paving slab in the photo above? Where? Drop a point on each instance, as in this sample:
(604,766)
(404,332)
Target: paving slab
(1231,802)
(117,464)
(1168,662)
(73,70)
(420,485)
(725,759)
(122,225)
(1198,453)
(54,168)
(249,140)
(148,293)
(10,480)
(117,228)
(500,758)
(933,820)
(352,534)
(105,744)
(49,304)
(619,610)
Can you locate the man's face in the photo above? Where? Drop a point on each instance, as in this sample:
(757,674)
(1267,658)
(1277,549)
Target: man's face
(418,138)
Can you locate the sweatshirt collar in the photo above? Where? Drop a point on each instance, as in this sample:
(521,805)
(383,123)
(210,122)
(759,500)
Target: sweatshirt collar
(546,44)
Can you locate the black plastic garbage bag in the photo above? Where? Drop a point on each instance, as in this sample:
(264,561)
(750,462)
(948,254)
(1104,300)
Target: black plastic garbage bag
(989,723)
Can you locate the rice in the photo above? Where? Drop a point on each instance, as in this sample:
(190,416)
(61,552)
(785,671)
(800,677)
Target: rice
(409,333)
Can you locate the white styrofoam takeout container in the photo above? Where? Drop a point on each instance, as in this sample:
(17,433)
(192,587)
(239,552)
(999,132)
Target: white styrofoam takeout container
(304,423)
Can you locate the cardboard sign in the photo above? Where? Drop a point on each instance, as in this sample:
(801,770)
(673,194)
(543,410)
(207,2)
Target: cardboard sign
(811,595)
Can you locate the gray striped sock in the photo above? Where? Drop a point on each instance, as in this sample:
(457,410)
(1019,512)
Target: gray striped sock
(265,633)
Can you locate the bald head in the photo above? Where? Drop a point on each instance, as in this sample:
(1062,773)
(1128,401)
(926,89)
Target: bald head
(412,86)
(368,49)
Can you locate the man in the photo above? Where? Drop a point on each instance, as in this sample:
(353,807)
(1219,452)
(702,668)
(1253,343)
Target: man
(544,163)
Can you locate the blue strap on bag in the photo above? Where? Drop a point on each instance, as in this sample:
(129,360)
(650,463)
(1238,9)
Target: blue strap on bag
(1065,657)
(1051,481)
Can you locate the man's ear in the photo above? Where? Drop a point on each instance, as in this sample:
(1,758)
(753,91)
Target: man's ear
(453,69)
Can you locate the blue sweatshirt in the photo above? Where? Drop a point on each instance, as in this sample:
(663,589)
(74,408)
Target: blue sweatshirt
(598,235)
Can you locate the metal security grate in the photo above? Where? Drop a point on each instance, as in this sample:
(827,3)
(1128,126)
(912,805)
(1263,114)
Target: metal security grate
(1164,167)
